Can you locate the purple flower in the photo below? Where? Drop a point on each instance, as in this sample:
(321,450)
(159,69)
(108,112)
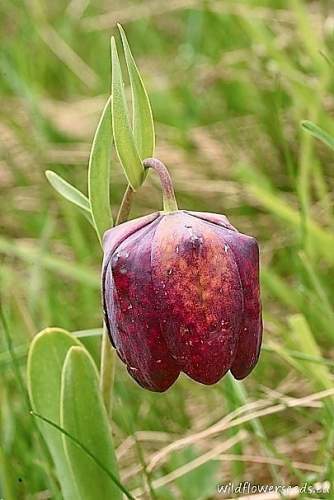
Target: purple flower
(181,293)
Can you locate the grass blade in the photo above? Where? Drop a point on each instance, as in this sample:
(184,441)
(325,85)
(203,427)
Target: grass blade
(123,135)
(302,337)
(143,126)
(318,133)
(12,356)
(322,239)
(99,173)
(302,356)
(53,263)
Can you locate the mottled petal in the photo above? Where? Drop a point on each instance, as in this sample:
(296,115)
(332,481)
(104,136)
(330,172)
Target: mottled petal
(133,318)
(111,240)
(199,295)
(219,219)
(181,292)
(114,236)
(246,254)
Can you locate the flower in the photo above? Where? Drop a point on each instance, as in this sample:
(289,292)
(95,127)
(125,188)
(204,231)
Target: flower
(181,294)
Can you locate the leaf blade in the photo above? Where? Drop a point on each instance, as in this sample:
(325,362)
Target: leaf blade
(83,447)
(99,173)
(67,191)
(143,126)
(46,356)
(123,136)
(83,415)
(318,133)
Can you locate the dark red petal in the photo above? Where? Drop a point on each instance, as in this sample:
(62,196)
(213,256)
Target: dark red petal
(219,219)
(133,318)
(246,253)
(199,295)
(114,236)
(111,240)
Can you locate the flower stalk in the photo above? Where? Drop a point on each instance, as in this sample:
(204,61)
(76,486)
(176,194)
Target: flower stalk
(169,200)
(124,211)
(107,375)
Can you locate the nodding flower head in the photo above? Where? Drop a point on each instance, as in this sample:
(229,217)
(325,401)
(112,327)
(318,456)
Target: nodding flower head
(181,294)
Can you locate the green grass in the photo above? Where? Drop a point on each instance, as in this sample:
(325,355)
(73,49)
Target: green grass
(230,83)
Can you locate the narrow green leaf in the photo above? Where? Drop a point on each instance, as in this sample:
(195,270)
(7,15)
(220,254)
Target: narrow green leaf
(84,416)
(143,126)
(123,135)
(9,487)
(318,133)
(61,267)
(277,348)
(6,357)
(12,354)
(45,361)
(274,203)
(302,338)
(99,173)
(67,191)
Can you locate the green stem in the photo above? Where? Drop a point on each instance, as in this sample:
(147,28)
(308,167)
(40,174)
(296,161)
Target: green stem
(107,369)
(124,211)
(168,194)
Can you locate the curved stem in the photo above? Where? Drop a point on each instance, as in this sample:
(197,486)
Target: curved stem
(168,194)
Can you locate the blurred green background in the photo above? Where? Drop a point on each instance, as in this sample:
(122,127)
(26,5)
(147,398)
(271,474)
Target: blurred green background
(229,83)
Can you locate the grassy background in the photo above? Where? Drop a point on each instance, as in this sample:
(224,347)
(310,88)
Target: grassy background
(229,84)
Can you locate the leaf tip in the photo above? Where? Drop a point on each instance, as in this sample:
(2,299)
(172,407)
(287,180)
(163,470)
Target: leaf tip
(122,33)
(76,349)
(113,43)
(49,174)
(305,124)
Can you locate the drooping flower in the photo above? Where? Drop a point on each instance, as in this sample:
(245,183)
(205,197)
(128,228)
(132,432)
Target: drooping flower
(181,293)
